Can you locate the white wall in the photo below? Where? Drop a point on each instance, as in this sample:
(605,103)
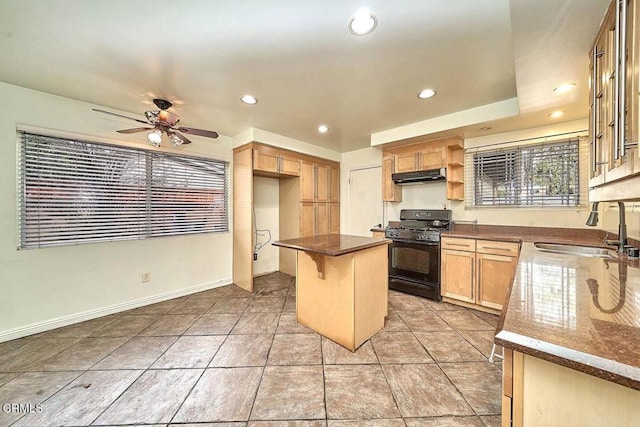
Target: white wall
(358,159)
(45,288)
(266,196)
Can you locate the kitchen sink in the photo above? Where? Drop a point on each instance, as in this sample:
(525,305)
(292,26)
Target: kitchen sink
(588,251)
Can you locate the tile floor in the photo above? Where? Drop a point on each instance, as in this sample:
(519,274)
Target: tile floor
(225,357)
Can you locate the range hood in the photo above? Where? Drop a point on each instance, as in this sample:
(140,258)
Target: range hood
(419,177)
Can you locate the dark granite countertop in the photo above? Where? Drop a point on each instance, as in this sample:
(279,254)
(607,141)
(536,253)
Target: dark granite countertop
(576,311)
(331,244)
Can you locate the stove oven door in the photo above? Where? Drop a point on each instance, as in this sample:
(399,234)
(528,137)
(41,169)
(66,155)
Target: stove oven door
(416,261)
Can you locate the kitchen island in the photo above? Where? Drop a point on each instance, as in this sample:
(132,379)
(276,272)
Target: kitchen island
(341,285)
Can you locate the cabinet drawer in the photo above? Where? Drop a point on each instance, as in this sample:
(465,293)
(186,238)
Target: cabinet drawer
(498,248)
(458,244)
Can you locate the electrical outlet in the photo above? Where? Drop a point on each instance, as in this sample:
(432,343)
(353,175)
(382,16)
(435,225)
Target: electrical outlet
(145,277)
(255,257)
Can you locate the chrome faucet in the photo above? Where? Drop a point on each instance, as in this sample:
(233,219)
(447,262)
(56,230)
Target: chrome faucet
(622,226)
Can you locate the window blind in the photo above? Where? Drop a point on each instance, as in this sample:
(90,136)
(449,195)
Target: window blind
(546,174)
(78,192)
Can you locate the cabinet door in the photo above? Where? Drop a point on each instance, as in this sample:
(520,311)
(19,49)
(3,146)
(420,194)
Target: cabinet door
(458,278)
(289,166)
(431,159)
(307,182)
(322,218)
(334,184)
(391,192)
(307,219)
(322,183)
(494,276)
(265,161)
(334,218)
(407,162)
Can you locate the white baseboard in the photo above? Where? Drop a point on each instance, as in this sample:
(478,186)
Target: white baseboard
(58,322)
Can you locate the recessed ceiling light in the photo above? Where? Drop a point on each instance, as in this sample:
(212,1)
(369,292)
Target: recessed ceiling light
(564,88)
(248,99)
(426,93)
(363,22)
(323,129)
(556,114)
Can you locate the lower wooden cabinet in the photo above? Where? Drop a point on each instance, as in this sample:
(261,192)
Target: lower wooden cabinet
(473,273)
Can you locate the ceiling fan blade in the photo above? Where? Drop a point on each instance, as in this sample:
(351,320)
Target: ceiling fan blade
(119,115)
(199,132)
(134,130)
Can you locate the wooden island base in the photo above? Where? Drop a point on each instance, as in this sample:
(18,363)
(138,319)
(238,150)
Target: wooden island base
(341,286)
(349,305)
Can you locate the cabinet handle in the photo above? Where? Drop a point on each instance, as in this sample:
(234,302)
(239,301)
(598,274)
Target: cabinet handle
(594,110)
(496,248)
(458,244)
(622,58)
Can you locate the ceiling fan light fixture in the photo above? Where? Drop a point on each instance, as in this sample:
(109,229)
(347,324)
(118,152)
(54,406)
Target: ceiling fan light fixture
(175,139)
(155,137)
(249,99)
(362,22)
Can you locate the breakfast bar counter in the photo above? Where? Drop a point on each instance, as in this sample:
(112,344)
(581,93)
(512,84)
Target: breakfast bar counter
(341,285)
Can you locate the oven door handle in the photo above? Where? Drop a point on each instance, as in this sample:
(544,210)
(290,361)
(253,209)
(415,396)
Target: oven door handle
(417,242)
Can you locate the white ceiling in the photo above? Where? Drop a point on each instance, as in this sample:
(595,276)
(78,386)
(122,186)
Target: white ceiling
(298,58)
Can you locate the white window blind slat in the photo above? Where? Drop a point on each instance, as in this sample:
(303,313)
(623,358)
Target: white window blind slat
(78,192)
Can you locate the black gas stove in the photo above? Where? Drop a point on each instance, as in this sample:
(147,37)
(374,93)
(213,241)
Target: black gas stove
(414,254)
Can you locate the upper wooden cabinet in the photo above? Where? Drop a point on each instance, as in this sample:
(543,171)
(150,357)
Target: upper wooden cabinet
(319,182)
(615,98)
(421,159)
(269,161)
(391,192)
(424,155)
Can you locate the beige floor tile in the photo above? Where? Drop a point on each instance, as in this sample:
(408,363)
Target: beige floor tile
(230,305)
(137,353)
(214,293)
(358,392)
(264,305)
(190,352)
(448,347)
(81,401)
(393,422)
(393,322)
(465,321)
(34,352)
(257,323)
(237,292)
(159,308)
(445,422)
(290,393)
(423,321)
(82,355)
(424,391)
(208,425)
(126,326)
(31,389)
(295,349)
(290,304)
(289,325)
(492,420)
(481,340)
(295,423)
(441,306)
(272,291)
(335,354)
(221,394)
(170,324)
(491,319)
(479,383)
(404,302)
(8,376)
(399,347)
(243,350)
(193,306)
(82,329)
(153,398)
(214,324)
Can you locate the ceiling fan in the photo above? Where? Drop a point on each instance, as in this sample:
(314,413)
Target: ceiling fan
(159,121)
